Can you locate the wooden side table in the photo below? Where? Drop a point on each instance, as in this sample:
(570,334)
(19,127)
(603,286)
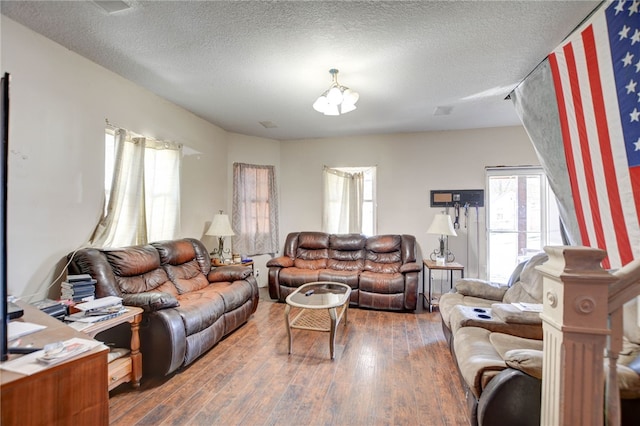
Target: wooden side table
(129,368)
(246,264)
(429,265)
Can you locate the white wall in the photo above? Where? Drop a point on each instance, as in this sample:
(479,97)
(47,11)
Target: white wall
(59,103)
(409,166)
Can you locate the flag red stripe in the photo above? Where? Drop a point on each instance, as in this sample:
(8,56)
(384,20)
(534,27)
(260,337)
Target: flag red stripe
(566,138)
(583,141)
(611,181)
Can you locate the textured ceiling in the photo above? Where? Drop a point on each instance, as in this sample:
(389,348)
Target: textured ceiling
(237,64)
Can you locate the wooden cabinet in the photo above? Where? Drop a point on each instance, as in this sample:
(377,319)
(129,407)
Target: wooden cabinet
(72,392)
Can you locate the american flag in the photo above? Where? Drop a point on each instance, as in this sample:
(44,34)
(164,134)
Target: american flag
(596,74)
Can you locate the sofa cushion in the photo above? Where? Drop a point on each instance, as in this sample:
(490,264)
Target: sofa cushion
(346,252)
(137,270)
(477,359)
(200,309)
(187,276)
(529,288)
(480,288)
(506,342)
(383,283)
(350,278)
(295,277)
(383,254)
(234,294)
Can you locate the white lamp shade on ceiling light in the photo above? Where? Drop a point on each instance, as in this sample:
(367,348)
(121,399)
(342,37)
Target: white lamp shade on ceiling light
(334,96)
(442,225)
(220,226)
(350,97)
(337,99)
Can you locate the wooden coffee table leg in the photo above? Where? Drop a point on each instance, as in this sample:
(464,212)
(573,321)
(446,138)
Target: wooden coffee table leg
(287,309)
(332,338)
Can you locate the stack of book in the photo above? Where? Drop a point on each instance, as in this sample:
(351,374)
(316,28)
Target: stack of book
(56,308)
(79,288)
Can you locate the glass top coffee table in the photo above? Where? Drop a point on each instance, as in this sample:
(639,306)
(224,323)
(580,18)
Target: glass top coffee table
(322,305)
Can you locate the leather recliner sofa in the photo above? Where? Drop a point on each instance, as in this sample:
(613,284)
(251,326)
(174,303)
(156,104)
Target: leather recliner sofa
(381,270)
(498,349)
(188,307)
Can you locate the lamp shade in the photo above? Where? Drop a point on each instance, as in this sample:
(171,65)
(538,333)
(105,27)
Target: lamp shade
(442,225)
(220,226)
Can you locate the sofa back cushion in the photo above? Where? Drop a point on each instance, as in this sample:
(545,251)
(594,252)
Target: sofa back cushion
(185,267)
(346,252)
(529,287)
(312,251)
(383,254)
(137,270)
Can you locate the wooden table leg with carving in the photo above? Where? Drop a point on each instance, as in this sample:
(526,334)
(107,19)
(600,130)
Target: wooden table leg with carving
(136,356)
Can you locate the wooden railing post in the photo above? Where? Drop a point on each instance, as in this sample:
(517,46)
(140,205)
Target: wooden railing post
(574,321)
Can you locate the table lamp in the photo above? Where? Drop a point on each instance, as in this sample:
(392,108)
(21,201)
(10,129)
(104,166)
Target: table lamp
(442,226)
(220,228)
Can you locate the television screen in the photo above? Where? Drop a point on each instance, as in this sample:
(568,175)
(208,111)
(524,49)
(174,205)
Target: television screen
(4,134)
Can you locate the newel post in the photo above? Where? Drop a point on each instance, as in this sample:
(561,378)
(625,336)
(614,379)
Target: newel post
(574,321)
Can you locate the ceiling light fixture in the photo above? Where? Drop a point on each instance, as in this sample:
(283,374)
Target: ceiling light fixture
(336,99)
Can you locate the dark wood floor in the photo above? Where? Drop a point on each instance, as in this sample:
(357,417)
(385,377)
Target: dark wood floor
(389,369)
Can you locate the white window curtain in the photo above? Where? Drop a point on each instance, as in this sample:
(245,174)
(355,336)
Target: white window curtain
(143,196)
(255,209)
(343,198)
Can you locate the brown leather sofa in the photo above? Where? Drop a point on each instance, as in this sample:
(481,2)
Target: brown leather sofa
(381,270)
(188,307)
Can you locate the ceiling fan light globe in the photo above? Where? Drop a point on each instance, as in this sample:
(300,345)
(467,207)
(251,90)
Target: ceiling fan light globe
(332,110)
(320,104)
(350,96)
(334,96)
(347,107)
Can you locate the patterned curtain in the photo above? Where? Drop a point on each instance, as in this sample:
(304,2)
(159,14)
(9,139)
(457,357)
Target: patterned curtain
(255,209)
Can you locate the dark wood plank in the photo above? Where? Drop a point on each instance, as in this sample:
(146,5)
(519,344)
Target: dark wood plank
(389,368)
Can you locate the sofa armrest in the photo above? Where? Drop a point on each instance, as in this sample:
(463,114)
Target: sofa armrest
(228,273)
(528,361)
(150,302)
(511,397)
(480,288)
(282,262)
(410,267)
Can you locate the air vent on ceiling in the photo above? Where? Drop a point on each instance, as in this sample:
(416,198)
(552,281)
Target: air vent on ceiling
(112,6)
(268,124)
(443,110)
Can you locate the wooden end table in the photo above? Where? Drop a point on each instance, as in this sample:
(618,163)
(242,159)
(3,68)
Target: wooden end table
(128,368)
(429,265)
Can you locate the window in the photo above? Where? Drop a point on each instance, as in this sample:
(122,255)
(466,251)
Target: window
(522,218)
(255,209)
(349,200)
(142,190)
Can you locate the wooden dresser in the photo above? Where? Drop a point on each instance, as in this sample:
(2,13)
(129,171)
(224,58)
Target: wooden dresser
(72,392)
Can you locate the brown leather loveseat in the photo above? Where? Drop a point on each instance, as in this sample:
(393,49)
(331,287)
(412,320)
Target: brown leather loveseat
(381,270)
(188,307)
